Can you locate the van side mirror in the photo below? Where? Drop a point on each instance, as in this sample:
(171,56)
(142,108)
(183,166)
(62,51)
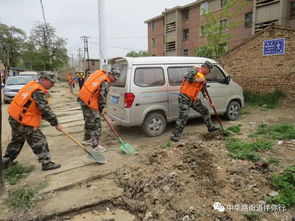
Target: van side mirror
(227,79)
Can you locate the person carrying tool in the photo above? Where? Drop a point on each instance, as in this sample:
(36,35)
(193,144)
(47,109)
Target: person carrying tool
(81,79)
(93,98)
(26,110)
(192,85)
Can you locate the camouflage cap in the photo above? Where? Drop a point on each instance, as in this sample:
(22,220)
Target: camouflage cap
(48,75)
(208,64)
(115,72)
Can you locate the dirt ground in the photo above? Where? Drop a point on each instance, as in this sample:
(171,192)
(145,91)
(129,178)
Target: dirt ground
(180,182)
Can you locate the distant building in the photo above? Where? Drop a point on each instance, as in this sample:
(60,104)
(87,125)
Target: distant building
(178,31)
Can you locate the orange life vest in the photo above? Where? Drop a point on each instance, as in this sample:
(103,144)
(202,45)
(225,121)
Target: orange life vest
(23,107)
(90,91)
(193,89)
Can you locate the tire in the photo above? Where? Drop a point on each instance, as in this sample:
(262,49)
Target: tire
(6,101)
(154,124)
(233,110)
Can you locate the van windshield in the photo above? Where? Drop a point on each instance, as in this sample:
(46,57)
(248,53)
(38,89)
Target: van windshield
(122,66)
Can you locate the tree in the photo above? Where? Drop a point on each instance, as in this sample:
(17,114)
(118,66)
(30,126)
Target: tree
(11,44)
(137,54)
(216,28)
(45,50)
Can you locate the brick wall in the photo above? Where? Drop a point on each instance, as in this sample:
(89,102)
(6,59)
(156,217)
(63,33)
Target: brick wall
(62,75)
(253,71)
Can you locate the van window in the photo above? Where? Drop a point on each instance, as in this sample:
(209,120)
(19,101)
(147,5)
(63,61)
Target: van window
(149,77)
(176,74)
(215,75)
(123,71)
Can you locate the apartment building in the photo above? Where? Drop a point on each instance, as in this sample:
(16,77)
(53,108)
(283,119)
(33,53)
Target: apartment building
(178,31)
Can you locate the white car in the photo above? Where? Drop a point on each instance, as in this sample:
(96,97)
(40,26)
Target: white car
(13,85)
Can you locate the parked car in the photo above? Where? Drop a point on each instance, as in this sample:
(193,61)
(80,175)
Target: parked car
(13,85)
(146,94)
(32,74)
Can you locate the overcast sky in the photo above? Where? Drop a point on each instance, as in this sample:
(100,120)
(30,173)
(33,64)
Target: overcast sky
(126,30)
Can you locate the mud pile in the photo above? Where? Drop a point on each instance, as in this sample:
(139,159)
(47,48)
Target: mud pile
(171,184)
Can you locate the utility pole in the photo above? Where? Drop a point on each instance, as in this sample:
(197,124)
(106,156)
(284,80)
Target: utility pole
(102,37)
(85,41)
(79,59)
(72,55)
(2,182)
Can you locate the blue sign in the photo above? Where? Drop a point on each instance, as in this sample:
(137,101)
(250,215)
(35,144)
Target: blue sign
(274,47)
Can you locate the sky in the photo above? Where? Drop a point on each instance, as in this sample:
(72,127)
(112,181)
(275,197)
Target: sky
(125,27)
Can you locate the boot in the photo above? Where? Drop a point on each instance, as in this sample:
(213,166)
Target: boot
(50,166)
(100,148)
(213,128)
(174,138)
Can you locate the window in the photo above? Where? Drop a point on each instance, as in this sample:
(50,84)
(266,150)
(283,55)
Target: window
(186,34)
(215,75)
(292,8)
(223,24)
(153,24)
(185,14)
(170,46)
(122,66)
(185,52)
(149,77)
(153,42)
(204,8)
(203,30)
(223,3)
(171,27)
(176,74)
(248,20)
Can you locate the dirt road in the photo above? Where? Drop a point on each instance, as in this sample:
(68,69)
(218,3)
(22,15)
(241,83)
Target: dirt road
(162,181)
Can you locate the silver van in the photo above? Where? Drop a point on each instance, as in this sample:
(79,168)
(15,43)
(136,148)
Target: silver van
(147,91)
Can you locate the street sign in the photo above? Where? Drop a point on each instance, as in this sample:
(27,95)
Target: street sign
(274,47)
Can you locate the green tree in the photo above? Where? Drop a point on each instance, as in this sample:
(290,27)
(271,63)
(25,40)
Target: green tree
(11,45)
(45,50)
(216,28)
(137,54)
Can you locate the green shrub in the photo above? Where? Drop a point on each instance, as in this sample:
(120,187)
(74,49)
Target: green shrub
(283,131)
(285,184)
(14,173)
(268,100)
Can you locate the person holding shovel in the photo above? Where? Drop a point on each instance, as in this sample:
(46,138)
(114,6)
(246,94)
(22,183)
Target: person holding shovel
(192,85)
(26,110)
(93,98)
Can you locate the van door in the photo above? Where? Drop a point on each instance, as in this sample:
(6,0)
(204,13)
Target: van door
(150,89)
(217,89)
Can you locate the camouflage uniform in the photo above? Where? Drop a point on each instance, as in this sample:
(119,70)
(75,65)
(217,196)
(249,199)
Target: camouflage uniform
(185,103)
(92,127)
(34,137)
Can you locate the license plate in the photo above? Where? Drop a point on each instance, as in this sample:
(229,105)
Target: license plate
(114,100)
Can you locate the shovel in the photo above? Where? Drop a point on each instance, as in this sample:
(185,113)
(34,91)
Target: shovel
(125,147)
(99,158)
(217,116)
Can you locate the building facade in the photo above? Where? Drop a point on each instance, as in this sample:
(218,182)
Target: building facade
(178,31)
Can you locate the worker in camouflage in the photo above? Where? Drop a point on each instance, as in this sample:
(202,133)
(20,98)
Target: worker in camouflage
(193,84)
(93,104)
(26,127)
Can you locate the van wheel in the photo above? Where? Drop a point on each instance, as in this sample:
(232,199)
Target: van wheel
(6,101)
(154,124)
(233,111)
